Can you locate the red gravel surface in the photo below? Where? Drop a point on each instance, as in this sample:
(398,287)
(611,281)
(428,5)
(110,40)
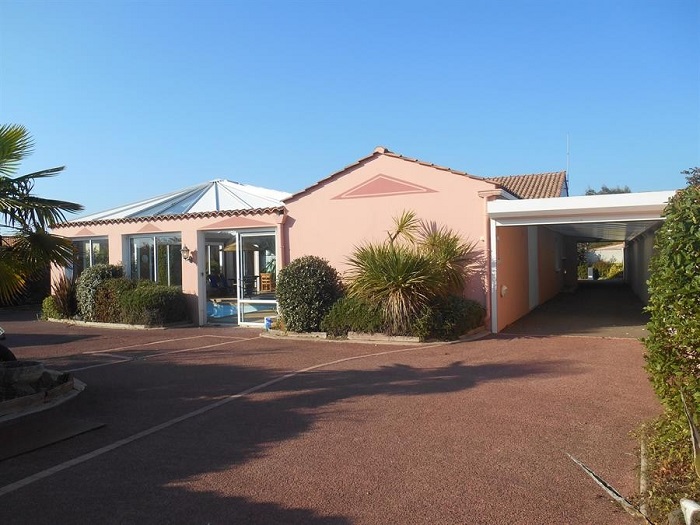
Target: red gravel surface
(466,433)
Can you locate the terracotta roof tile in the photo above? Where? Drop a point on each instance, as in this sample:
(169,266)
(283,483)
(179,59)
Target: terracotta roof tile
(534,185)
(154,218)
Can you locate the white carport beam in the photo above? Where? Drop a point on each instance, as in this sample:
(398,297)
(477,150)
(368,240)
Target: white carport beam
(589,208)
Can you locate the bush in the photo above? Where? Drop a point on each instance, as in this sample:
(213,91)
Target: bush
(88,283)
(108,299)
(306,290)
(153,304)
(582,271)
(448,318)
(350,314)
(49,308)
(673,344)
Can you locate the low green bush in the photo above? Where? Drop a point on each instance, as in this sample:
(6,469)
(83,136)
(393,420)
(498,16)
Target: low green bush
(306,290)
(108,299)
(351,314)
(49,308)
(448,318)
(153,304)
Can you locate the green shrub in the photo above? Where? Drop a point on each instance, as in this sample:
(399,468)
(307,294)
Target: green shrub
(448,318)
(49,308)
(673,344)
(614,271)
(350,314)
(582,271)
(88,283)
(153,304)
(306,290)
(108,297)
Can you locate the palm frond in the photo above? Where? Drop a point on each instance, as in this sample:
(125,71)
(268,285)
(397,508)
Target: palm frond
(12,280)
(405,226)
(15,145)
(37,248)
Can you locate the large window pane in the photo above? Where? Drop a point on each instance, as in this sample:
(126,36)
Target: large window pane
(89,252)
(157,258)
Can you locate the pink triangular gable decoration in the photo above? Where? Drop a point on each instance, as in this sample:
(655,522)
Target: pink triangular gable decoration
(383,186)
(84,232)
(149,228)
(238,222)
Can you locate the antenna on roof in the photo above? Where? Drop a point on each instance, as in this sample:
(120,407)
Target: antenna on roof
(566,178)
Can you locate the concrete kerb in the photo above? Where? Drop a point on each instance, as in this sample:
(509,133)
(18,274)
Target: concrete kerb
(116,326)
(358,337)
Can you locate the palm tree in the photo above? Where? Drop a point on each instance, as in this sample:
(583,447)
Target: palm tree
(418,263)
(26,217)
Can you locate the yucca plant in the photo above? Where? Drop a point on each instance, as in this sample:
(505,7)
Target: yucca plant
(418,262)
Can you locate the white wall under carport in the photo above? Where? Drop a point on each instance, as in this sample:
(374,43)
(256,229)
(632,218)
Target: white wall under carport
(628,217)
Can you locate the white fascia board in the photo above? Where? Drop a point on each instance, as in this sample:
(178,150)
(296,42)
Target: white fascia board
(589,208)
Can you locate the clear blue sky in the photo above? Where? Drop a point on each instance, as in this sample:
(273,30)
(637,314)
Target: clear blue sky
(141,98)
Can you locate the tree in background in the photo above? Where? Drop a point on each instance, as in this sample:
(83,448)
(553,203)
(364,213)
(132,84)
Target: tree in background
(26,217)
(605,190)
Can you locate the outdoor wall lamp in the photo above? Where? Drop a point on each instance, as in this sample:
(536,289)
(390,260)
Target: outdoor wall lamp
(186,255)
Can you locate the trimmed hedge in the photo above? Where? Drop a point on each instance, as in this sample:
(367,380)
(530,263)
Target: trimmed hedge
(350,314)
(153,304)
(673,344)
(306,290)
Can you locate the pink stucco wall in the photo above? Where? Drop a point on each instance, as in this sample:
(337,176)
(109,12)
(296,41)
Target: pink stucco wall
(513,278)
(359,204)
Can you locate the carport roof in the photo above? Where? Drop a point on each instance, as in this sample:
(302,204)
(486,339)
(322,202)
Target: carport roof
(616,217)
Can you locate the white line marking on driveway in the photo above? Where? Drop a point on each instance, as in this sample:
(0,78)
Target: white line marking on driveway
(7,489)
(152,356)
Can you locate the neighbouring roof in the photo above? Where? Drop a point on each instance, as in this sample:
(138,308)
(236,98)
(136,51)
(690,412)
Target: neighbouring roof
(214,196)
(534,185)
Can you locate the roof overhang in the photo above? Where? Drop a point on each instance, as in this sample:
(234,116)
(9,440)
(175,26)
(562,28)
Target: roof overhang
(616,217)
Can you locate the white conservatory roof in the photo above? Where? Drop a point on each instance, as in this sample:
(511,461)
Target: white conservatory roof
(212,196)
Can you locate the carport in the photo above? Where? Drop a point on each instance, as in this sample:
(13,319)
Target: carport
(533,245)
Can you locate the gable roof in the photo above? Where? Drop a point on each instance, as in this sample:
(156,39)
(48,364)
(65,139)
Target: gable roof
(214,196)
(534,185)
(378,151)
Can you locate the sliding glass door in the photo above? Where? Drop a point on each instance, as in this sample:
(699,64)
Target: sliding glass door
(257,276)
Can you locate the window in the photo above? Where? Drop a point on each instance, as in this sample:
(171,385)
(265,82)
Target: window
(89,252)
(156,258)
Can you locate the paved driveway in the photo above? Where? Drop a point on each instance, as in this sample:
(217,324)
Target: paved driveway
(221,426)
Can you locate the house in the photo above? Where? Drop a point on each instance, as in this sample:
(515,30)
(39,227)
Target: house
(241,235)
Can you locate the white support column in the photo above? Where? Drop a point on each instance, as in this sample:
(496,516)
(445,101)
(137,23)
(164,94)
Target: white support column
(494,276)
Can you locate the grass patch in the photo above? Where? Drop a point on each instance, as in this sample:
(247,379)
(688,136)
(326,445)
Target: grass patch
(670,473)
